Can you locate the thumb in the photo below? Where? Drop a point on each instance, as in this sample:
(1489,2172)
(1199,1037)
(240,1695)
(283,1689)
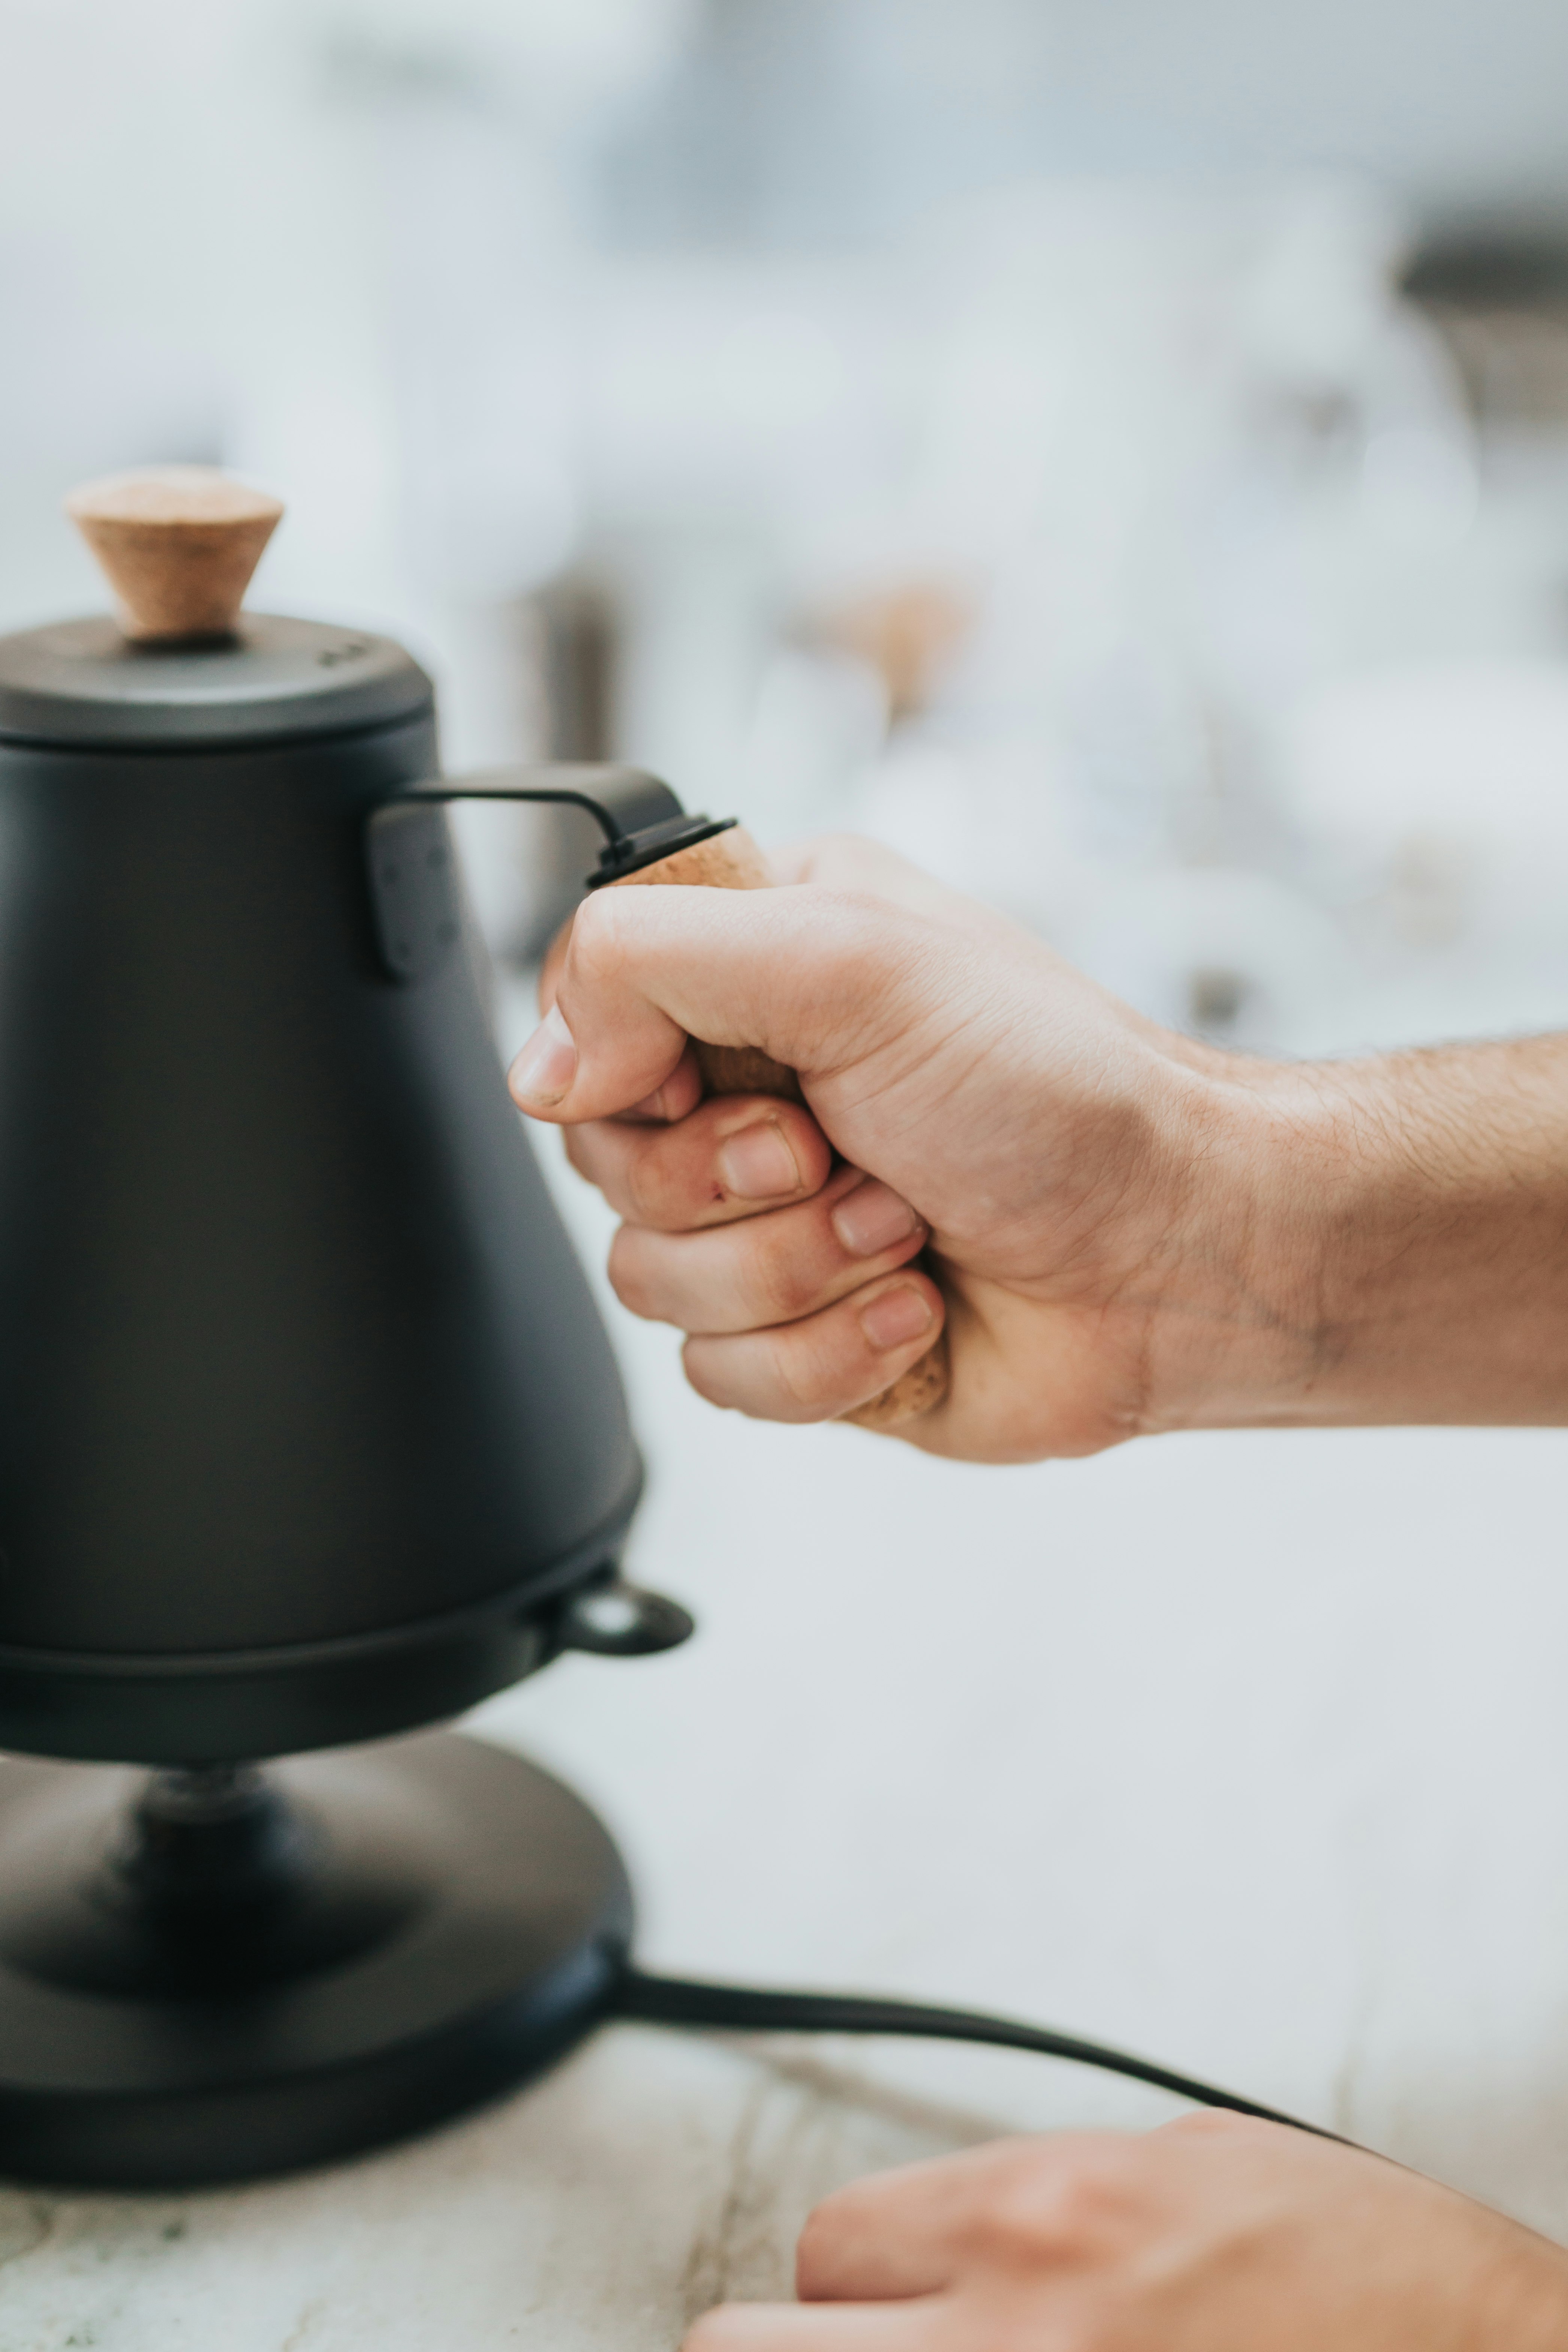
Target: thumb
(793,971)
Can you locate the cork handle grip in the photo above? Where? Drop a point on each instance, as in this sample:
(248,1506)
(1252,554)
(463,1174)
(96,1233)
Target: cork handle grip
(731,861)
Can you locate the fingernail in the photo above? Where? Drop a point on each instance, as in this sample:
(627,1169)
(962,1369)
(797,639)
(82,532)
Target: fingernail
(873,1218)
(897,1316)
(547,1065)
(758,1164)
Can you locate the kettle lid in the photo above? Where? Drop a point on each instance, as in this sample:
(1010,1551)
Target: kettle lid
(86,682)
(185,667)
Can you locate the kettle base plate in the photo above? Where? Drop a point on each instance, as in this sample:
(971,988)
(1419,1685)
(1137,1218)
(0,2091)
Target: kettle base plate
(412,1928)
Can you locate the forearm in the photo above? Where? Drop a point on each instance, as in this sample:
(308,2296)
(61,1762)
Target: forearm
(1396,1241)
(1528,2302)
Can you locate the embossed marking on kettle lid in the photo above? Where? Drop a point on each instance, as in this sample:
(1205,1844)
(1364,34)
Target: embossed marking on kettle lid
(86,682)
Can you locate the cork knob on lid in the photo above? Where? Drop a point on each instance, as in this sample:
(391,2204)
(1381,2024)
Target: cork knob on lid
(178,544)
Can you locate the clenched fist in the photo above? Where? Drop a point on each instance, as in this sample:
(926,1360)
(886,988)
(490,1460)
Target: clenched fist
(1123,1232)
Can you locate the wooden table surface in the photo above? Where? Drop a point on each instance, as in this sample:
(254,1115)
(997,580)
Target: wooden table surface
(1248,1752)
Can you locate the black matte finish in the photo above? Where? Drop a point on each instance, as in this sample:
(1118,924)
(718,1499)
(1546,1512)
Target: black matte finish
(306,1413)
(275,679)
(229,1704)
(362,1944)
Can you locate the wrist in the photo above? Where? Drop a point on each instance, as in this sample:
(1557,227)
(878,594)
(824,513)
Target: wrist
(1239,1336)
(1374,1242)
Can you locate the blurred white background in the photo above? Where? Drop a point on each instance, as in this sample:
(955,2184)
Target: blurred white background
(1116,450)
(1003,427)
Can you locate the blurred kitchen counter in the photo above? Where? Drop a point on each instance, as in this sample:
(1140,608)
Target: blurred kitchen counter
(1248,1752)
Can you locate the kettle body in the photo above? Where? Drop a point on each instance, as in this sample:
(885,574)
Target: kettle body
(308,1421)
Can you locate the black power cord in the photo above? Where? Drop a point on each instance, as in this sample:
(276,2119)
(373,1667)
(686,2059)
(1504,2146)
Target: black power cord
(675,2000)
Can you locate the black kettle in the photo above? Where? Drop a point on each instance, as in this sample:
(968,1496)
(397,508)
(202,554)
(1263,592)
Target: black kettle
(309,1430)
(308,1421)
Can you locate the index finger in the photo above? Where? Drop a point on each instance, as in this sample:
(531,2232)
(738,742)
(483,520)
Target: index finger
(800,972)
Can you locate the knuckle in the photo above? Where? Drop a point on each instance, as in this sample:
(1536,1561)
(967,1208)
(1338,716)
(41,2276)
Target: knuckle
(1012,2226)
(751,1373)
(780,1286)
(597,949)
(812,1379)
(812,1152)
(643,1182)
(701,1365)
(628,1274)
(816,2246)
(1044,2207)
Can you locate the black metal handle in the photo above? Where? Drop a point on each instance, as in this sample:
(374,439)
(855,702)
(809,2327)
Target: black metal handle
(414,884)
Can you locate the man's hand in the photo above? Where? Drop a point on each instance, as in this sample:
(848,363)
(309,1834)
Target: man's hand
(1213,2235)
(1124,1232)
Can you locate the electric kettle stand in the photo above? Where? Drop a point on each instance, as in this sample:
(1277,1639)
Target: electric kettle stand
(309,1432)
(211,1974)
